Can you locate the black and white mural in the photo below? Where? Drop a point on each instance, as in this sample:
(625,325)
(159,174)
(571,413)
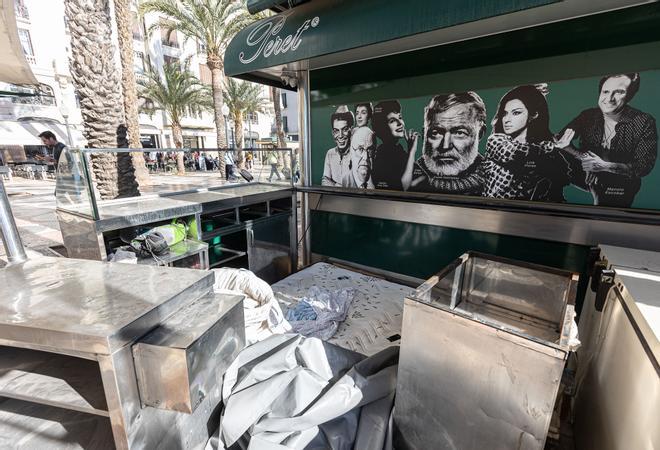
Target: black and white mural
(511,149)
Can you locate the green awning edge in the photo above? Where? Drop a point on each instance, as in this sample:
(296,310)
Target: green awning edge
(323,27)
(257,6)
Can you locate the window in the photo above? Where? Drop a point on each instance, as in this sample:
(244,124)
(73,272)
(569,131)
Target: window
(205,74)
(26,44)
(170,59)
(138,62)
(21,10)
(201,47)
(251,117)
(136,25)
(171,40)
(191,142)
(283,100)
(285,124)
(45,96)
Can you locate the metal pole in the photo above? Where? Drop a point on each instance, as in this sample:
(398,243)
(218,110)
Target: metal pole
(8,231)
(226,133)
(68,131)
(306,143)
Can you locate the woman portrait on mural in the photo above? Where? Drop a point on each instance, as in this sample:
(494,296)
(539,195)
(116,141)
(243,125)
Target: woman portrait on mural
(363,114)
(392,166)
(522,158)
(618,144)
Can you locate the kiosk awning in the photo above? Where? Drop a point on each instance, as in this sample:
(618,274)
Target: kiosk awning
(323,33)
(256,6)
(323,27)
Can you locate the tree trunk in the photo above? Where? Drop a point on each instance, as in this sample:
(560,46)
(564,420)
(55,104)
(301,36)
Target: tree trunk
(129,88)
(177,135)
(238,130)
(282,157)
(279,130)
(97,84)
(214,63)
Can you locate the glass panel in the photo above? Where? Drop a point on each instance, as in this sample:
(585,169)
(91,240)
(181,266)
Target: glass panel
(253,170)
(72,186)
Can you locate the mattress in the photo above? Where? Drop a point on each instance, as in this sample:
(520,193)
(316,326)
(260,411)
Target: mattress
(374,317)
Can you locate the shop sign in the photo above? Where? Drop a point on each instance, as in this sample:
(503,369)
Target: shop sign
(265,41)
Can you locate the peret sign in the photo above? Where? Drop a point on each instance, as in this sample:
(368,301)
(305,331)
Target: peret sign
(264,37)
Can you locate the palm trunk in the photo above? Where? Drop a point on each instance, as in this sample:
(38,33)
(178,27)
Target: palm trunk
(177,135)
(129,89)
(282,158)
(214,63)
(97,85)
(238,133)
(279,130)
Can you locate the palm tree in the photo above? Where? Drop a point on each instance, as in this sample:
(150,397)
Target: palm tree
(178,93)
(212,23)
(96,80)
(123,18)
(242,97)
(282,157)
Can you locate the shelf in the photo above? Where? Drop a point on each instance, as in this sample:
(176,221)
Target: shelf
(232,254)
(183,249)
(52,379)
(25,425)
(239,262)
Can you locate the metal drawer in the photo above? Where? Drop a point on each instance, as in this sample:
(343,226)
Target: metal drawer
(184,358)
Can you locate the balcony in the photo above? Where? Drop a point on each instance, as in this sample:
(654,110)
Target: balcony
(169,43)
(21,11)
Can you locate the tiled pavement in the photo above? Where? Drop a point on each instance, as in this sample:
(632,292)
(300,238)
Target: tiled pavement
(33,206)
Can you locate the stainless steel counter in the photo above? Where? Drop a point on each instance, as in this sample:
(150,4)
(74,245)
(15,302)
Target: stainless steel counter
(84,236)
(70,305)
(67,333)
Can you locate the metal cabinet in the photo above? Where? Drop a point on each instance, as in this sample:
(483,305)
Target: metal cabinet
(617,403)
(268,248)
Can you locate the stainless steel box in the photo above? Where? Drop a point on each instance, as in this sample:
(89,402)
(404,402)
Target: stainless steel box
(483,348)
(180,361)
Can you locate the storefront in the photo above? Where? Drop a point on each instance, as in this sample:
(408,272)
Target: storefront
(414,150)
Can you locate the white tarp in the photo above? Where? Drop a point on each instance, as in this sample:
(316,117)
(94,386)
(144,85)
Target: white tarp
(291,392)
(263,316)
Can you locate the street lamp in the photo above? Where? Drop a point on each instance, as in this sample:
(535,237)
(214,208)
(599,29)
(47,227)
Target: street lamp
(65,114)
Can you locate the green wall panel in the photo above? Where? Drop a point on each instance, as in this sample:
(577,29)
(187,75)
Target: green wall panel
(422,250)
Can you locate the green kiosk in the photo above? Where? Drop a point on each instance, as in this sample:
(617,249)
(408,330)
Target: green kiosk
(526,130)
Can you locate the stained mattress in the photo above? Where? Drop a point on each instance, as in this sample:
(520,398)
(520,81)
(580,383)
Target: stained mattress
(374,318)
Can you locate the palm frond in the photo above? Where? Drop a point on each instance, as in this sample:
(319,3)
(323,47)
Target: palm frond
(178,92)
(243,97)
(212,22)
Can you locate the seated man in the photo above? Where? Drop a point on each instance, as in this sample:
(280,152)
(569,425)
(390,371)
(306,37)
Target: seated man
(618,144)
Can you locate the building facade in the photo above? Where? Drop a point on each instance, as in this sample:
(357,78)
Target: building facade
(45,41)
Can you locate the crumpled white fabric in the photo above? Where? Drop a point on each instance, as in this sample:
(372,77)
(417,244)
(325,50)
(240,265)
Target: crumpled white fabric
(573,340)
(331,309)
(263,315)
(289,392)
